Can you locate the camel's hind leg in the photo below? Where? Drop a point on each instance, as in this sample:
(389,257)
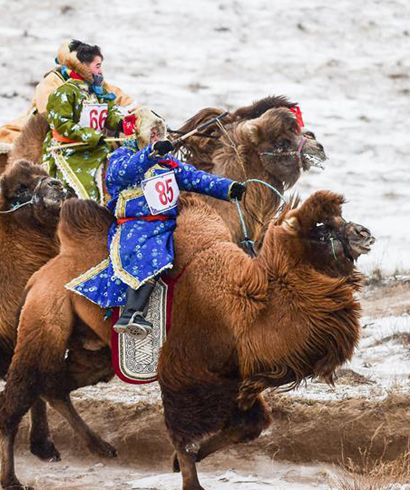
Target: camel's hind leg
(41,444)
(92,440)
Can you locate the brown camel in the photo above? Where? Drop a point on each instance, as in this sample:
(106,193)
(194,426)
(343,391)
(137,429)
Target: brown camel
(28,240)
(261,141)
(240,297)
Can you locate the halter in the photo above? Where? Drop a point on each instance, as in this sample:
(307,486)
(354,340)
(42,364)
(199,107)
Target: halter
(34,198)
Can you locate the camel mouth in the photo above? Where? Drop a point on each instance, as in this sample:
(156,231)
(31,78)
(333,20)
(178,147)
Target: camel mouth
(51,194)
(359,238)
(313,155)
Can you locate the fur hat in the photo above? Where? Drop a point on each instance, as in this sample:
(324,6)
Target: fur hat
(146,121)
(69,58)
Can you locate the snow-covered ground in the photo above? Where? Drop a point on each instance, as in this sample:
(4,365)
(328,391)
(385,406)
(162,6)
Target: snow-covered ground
(345,62)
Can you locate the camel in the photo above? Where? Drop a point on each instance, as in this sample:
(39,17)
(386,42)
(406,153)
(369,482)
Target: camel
(34,224)
(230,295)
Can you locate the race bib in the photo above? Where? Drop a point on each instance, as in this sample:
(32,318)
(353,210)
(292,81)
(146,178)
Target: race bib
(94,116)
(161,192)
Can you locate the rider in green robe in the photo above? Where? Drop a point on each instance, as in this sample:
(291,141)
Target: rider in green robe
(80,111)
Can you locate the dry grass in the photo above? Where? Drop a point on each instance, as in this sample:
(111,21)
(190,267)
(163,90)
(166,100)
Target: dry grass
(373,475)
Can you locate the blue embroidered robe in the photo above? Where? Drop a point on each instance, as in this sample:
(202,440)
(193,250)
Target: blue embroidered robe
(140,249)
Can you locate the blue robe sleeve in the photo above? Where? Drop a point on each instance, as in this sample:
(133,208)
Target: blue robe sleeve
(192,180)
(127,168)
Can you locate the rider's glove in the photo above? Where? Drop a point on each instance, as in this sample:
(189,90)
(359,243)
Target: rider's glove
(237,191)
(163,147)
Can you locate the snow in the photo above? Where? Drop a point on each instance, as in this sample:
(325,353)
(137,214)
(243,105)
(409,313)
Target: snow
(288,478)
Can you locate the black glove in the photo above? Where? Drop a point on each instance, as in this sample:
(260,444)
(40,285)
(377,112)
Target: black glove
(163,147)
(101,141)
(237,191)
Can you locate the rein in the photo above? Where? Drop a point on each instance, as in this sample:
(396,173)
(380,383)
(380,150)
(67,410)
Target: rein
(247,242)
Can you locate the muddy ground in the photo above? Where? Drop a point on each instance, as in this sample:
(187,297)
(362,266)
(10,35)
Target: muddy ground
(346,423)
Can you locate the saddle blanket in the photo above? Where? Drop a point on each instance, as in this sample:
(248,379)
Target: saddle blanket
(135,361)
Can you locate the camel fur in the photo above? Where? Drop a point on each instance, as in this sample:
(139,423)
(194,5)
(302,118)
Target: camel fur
(287,315)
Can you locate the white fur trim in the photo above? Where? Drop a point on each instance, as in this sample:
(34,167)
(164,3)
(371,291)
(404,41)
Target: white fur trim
(5,147)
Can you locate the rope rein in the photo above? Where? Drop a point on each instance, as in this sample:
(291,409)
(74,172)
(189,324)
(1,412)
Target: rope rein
(248,242)
(18,206)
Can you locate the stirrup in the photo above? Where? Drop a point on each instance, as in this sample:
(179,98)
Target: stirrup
(138,328)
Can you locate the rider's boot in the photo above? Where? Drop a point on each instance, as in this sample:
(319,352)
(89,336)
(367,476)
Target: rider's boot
(132,320)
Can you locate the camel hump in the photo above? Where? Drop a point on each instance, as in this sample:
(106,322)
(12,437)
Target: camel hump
(259,107)
(29,144)
(203,116)
(83,220)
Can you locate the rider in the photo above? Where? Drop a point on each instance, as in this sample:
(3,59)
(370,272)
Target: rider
(80,111)
(51,81)
(144,186)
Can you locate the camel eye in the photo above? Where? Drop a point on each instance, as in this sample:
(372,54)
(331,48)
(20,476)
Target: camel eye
(285,144)
(322,232)
(22,192)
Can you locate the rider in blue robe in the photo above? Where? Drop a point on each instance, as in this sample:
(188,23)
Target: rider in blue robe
(141,243)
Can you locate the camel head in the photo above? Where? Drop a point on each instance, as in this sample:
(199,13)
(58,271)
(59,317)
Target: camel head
(282,148)
(326,240)
(29,195)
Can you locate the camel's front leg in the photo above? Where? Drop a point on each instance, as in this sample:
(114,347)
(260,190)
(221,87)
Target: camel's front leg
(92,440)
(187,458)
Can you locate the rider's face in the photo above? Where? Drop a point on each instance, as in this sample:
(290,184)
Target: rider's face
(96,66)
(154,134)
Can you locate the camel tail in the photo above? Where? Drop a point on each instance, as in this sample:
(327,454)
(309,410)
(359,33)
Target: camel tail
(28,146)
(82,220)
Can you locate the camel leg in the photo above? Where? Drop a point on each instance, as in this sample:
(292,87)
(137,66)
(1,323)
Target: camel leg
(93,441)
(41,444)
(213,444)
(188,469)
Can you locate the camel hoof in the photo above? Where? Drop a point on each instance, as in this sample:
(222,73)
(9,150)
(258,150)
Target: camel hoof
(104,449)
(45,450)
(175,463)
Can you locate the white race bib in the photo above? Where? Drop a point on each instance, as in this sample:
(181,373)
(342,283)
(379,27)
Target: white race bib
(94,116)
(161,192)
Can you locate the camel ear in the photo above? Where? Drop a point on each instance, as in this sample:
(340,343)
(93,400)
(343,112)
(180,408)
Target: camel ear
(291,225)
(253,132)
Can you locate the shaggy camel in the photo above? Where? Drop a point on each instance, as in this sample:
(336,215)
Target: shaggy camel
(28,240)
(237,291)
